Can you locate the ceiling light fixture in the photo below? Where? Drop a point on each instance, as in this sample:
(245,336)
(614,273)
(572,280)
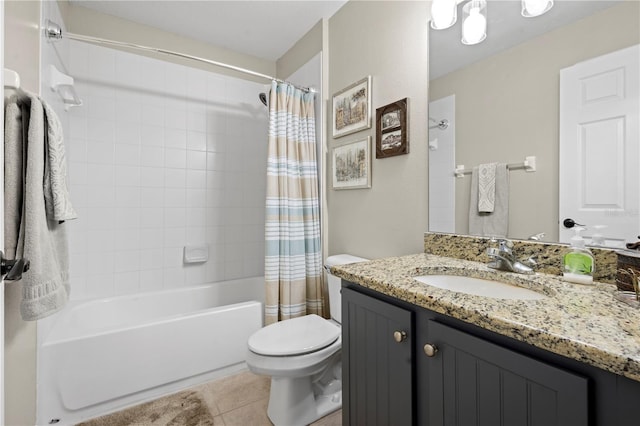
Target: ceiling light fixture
(474,22)
(444,14)
(533,8)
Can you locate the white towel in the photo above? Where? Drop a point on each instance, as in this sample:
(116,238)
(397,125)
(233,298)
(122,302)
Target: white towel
(495,224)
(29,233)
(56,193)
(486,187)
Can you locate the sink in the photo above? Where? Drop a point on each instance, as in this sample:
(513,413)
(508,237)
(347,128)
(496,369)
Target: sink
(480,287)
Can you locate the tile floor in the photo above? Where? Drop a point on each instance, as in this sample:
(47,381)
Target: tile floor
(239,400)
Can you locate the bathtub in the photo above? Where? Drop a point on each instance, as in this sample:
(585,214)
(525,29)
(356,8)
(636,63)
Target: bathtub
(100,356)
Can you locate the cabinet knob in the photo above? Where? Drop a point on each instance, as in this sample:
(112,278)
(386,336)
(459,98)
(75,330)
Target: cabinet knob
(430,350)
(399,336)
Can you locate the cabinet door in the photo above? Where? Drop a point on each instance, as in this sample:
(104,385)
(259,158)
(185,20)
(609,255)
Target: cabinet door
(377,369)
(475,382)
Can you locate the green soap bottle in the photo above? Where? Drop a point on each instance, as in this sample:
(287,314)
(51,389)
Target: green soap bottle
(578,264)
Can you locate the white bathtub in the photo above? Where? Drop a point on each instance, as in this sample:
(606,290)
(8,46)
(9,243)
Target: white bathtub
(99,356)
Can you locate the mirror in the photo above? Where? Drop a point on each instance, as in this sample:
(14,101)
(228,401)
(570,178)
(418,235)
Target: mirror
(500,99)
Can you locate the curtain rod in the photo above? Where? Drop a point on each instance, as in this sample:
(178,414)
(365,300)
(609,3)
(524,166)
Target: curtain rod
(54,31)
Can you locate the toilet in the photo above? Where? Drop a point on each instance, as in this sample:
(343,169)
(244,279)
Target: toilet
(302,356)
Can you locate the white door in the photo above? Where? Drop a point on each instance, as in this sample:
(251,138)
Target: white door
(599,139)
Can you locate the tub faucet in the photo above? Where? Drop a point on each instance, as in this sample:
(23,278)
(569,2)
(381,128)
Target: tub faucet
(503,259)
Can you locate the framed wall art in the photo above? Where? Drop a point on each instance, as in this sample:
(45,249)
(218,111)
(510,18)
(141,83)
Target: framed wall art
(352,108)
(391,130)
(352,165)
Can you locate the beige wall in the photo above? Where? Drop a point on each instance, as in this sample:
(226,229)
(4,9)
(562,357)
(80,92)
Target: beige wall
(301,52)
(387,40)
(81,20)
(490,127)
(22,54)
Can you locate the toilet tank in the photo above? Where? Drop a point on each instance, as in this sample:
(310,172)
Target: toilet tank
(334,283)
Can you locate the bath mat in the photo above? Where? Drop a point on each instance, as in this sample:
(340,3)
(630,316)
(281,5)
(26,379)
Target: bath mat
(182,409)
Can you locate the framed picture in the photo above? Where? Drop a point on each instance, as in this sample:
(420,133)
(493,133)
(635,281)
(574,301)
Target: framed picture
(391,130)
(352,108)
(352,165)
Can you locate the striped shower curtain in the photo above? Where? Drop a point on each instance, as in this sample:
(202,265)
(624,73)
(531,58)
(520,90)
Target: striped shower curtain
(293,260)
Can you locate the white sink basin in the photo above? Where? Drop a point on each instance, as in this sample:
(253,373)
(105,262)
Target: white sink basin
(480,287)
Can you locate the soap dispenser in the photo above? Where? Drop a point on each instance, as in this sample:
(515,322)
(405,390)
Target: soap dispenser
(578,263)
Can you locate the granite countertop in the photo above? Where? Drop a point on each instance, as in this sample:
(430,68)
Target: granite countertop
(585,323)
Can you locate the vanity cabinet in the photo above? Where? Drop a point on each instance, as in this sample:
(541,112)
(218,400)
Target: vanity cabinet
(448,372)
(377,359)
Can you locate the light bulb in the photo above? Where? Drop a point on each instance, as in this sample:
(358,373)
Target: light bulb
(444,14)
(533,8)
(474,26)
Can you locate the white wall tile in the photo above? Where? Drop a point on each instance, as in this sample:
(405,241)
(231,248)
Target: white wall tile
(151,280)
(100,130)
(152,177)
(173,277)
(126,282)
(127,175)
(153,115)
(175,217)
(100,153)
(152,135)
(197,160)
(152,197)
(159,158)
(196,179)
(175,118)
(127,155)
(128,133)
(196,140)
(151,259)
(151,238)
(175,158)
(152,156)
(175,178)
(175,138)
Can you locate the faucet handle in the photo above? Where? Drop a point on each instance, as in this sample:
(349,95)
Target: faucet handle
(505,244)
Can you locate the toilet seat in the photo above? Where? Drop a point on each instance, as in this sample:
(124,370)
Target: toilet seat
(295,336)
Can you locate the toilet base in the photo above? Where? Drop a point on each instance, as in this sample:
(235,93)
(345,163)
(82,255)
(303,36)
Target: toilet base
(297,404)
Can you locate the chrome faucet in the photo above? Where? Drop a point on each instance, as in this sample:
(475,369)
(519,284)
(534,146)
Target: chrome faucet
(502,258)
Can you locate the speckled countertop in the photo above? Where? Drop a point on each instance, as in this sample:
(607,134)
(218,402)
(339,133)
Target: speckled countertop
(581,322)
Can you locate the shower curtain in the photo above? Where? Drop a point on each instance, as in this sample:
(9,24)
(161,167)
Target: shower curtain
(293,260)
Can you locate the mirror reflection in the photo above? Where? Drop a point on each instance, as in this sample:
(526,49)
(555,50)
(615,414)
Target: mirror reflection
(500,99)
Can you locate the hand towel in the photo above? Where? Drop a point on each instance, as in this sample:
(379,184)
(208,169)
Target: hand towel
(56,193)
(29,233)
(495,224)
(486,187)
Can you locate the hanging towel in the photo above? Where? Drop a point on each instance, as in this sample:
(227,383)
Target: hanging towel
(29,232)
(495,224)
(486,187)
(56,194)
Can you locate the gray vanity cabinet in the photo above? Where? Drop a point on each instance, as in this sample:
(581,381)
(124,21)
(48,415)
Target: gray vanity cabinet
(474,377)
(377,359)
(475,382)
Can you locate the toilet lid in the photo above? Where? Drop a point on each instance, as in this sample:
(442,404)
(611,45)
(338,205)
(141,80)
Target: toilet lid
(294,336)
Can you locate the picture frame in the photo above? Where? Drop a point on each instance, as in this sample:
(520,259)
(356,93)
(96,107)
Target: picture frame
(351,108)
(351,165)
(392,136)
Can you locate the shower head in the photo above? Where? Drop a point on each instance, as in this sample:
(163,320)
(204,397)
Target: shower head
(263,98)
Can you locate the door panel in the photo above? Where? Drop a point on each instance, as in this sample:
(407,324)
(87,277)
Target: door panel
(487,384)
(377,369)
(599,138)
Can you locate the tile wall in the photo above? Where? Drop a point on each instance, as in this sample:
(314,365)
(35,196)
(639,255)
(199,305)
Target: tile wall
(162,156)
